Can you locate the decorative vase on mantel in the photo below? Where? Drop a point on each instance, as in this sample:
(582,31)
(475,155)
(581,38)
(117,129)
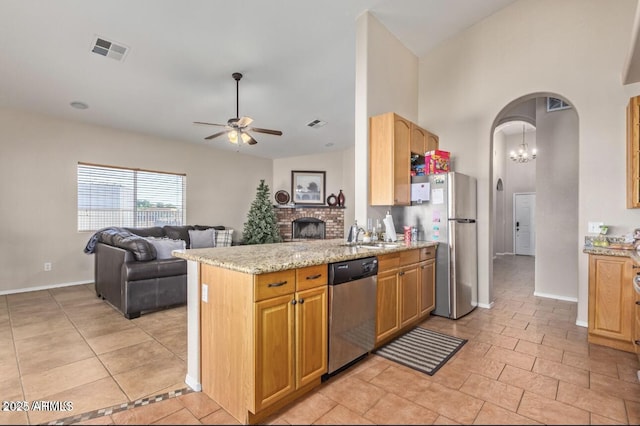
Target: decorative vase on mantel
(340,199)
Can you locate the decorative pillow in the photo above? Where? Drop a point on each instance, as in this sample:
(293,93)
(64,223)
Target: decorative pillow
(223,237)
(178,233)
(202,239)
(164,246)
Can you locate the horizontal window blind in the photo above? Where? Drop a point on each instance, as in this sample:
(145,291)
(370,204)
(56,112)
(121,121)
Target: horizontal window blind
(116,196)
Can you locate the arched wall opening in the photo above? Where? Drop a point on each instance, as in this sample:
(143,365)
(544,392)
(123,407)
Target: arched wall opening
(556,189)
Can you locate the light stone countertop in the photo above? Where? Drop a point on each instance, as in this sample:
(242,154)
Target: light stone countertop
(606,251)
(264,258)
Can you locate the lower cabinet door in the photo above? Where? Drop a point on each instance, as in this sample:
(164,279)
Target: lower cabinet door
(387,313)
(274,350)
(427,287)
(311,335)
(409,294)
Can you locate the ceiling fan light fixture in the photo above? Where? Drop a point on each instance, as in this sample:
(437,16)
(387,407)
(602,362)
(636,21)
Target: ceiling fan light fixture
(233,136)
(245,137)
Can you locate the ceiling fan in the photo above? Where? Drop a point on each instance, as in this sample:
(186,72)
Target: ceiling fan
(237,128)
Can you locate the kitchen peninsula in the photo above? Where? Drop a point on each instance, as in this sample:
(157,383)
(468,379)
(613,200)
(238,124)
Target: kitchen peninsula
(257,315)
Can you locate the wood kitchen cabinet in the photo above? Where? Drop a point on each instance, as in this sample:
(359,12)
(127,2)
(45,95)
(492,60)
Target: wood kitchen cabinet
(392,139)
(611,302)
(405,292)
(633,153)
(264,337)
(427,278)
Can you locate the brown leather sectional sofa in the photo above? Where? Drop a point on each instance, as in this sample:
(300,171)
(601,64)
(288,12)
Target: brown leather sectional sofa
(128,274)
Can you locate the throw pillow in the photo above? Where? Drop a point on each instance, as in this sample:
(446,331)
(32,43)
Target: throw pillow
(223,237)
(202,239)
(164,246)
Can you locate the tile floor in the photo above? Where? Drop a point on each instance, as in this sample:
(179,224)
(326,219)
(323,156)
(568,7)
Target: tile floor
(526,362)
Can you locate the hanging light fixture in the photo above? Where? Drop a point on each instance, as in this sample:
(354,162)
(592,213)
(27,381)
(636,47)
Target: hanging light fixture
(523,155)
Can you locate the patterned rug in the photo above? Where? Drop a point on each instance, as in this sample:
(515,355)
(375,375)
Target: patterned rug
(421,349)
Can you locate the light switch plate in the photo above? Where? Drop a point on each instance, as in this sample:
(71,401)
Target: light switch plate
(594,227)
(205,293)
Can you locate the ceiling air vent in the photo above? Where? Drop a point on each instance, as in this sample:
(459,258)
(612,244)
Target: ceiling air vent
(316,123)
(110,49)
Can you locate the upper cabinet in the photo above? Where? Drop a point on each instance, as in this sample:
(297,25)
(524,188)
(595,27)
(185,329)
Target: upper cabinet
(633,153)
(392,140)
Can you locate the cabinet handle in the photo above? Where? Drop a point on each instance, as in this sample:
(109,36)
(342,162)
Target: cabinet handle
(423,266)
(401,273)
(301,301)
(313,277)
(293,302)
(281,283)
(637,302)
(635,266)
(637,342)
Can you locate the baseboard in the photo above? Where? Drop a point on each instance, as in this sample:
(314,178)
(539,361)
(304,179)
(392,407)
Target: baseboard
(582,324)
(486,306)
(193,383)
(554,296)
(505,254)
(43,287)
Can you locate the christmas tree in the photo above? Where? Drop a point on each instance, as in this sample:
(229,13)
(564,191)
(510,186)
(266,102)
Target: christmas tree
(261,226)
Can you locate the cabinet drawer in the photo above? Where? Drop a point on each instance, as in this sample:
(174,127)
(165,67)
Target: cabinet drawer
(409,256)
(311,276)
(274,284)
(388,261)
(427,253)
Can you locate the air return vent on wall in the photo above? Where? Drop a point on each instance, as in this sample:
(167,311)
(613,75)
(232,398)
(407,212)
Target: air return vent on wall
(108,48)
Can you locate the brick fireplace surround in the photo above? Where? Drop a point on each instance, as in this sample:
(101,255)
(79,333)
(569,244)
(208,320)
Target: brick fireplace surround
(333,218)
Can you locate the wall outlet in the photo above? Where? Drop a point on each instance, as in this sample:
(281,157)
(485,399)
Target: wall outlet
(47,266)
(594,227)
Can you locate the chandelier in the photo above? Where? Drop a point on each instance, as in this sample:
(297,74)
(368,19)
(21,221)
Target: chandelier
(523,155)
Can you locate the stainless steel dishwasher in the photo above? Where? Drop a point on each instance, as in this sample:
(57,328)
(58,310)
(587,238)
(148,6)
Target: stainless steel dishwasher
(352,311)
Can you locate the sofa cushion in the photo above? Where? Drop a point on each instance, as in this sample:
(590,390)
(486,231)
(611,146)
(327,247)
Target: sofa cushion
(164,246)
(202,238)
(153,231)
(119,237)
(201,227)
(178,233)
(223,237)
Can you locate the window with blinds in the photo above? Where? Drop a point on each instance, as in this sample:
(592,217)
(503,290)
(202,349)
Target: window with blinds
(116,196)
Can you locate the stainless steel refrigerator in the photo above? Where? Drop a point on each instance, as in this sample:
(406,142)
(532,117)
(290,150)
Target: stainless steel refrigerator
(449,217)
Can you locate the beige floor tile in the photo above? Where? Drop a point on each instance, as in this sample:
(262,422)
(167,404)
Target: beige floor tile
(491,414)
(58,379)
(147,414)
(483,366)
(400,382)
(179,384)
(219,417)
(593,401)
(308,409)
(620,388)
(14,418)
(134,356)
(182,417)
(497,339)
(56,324)
(370,367)
(354,394)
(601,420)
(442,420)
(41,353)
(586,363)
(392,409)
(450,403)
(548,411)
(117,340)
(473,349)
(89,397)
(102,420)
(633,412)
(539,351)
(529,335)
(531,382)
(451,376)
(510,357)
(628,373)
(19,319)
(341,415)
(581,348)
(610,355)
(562,372)
(102,325)
(150,379)
(8,364)
(496,392)
(199,404)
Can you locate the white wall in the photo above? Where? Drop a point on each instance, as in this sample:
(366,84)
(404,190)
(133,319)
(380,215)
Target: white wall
(38,171)
(386,80)
(499,199)
(576,48)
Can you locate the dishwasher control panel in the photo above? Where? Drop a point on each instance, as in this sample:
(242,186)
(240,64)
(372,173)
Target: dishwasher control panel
(350,270)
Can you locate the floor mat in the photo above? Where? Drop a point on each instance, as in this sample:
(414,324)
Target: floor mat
(421,349)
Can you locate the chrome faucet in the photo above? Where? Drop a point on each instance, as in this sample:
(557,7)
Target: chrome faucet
(354,231)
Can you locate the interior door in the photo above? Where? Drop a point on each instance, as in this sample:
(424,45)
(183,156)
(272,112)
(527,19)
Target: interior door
(524,206)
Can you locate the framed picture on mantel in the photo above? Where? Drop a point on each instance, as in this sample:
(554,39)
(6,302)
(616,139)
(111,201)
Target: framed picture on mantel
(308,187)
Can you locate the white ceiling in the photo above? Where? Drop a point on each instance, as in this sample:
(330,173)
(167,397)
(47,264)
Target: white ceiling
(297,57)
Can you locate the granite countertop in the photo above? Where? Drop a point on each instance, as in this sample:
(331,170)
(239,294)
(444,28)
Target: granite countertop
(263,258)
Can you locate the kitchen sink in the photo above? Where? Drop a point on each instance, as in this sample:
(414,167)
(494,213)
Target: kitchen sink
(372,246)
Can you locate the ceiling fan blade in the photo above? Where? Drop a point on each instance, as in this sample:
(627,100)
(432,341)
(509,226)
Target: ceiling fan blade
(215,135)
(244,121)
(209,124)
(251,140)
(267,131)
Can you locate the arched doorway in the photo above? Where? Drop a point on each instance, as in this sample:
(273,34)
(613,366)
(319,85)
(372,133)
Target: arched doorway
(552,176)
